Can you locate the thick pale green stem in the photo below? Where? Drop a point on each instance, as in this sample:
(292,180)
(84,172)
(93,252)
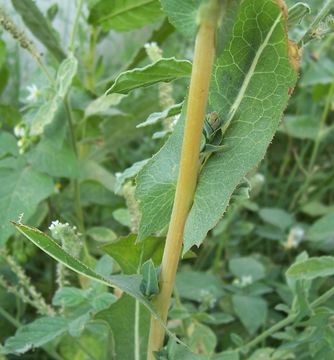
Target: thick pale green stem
(189,166)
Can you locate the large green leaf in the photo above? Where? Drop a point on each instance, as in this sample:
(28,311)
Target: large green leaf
(46,157)
(8,144)
(125,15)
(194,285)
(158,116)
(39,26)
(250,90)
(276,217)
(164,70)
(22,189)
(183,14)
(91,170)
(130,254)
(312,268)
(129,336)
(252,311)
(46,113)
(322,230)
(36,334)
(247,266)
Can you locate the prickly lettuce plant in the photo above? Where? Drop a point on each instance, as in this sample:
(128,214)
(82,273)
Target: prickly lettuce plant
(136,162)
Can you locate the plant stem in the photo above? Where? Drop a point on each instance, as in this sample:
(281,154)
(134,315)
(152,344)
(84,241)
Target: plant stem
(78,208)
(321,127)
(315,149)
(75,25)
(321,15)
(288,320)
(189,166)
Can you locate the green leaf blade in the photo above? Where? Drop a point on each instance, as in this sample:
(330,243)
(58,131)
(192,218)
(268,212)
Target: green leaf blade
(183,15)
(251,96)
(36,334)
(312,268)
(39,26)
(125,15)
(250,89)
(164,70)
(22,189)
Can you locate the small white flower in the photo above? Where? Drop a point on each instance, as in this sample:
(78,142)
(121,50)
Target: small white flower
(246,280)
(34,93)
(19,131)
(151,44)
(296,235)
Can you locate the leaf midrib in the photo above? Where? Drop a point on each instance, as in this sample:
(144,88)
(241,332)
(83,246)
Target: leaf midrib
(236,104)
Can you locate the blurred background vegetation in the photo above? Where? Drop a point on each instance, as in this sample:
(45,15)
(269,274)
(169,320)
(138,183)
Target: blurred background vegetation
(234,281)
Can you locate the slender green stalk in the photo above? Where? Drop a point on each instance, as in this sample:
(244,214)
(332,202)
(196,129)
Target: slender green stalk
(287,321)
(9,317)
(75,25)
(137,331)
(189,165)
(321,127)
(309,35)
(137,313)
(78,207)
(316,146)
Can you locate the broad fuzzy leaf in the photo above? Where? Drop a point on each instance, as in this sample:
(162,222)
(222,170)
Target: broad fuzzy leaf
(250,89)
(46,157)
(183,15)
(36,334)
(8,144)
(66,72)
(121,318)
(125,15)
(130,254)
(164,70)
(312,268)
(247,266)
(39,26)
(322,230)
(46,113)
(296,14)
(21,190)
(158,116)
(252,311)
